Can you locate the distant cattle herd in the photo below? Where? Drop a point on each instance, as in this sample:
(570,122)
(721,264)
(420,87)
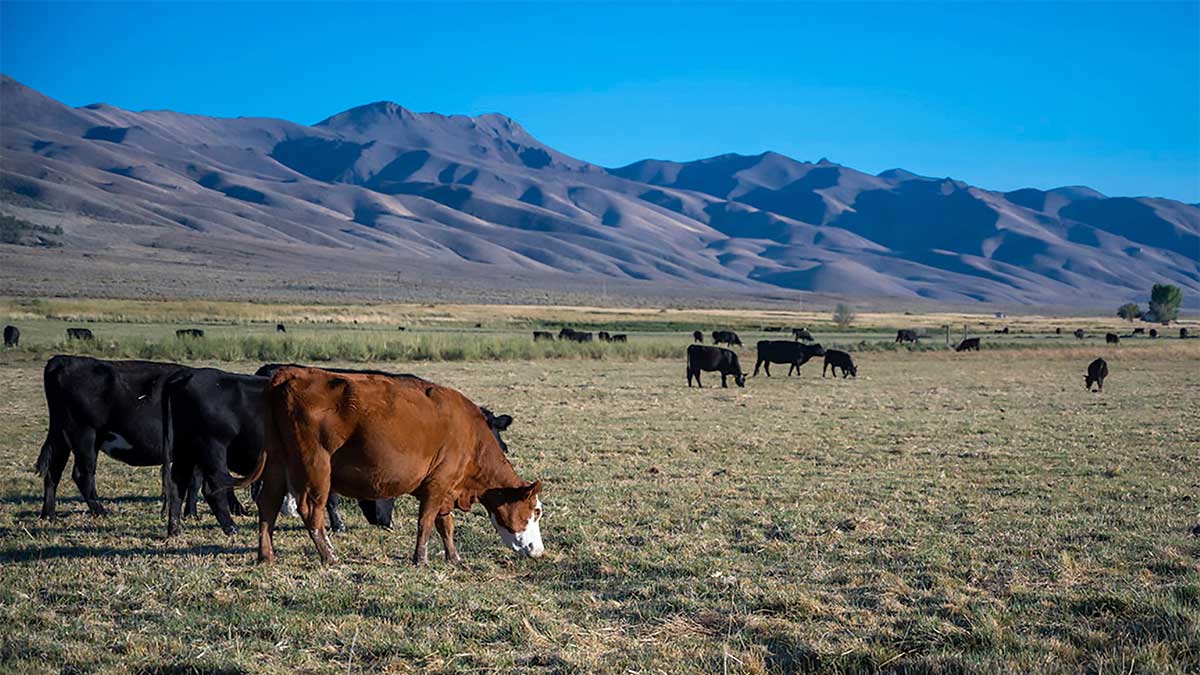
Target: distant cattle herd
(279,429)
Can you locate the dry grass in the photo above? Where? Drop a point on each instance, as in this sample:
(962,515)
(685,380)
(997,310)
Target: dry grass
(943,513)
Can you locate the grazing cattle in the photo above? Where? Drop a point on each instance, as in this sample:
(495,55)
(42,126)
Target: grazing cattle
(96,406)
(1183,333)
(12,336)
(378,437)
(1096,372)
(1139,331)
(479,325)
(907,335)
(401,328)
(1058,331)
(578,336)
(619,337)
(189,333)
(80,334)
(802,334)
(719,359)
(726,337)
(1153,333)
(603,335)
(835,359)
(795,354)
(1079,334)
(1001,332)
(967,345)
(539,335)
(1112,339)
(280,328)
(697,336)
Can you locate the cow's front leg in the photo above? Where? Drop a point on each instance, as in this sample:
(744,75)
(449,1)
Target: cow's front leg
(445,527)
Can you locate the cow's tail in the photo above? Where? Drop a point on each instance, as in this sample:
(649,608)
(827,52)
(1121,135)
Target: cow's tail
(271,442)
(42,467)
(55,436)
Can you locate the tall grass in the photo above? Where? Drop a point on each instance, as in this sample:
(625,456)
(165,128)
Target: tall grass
(366,348)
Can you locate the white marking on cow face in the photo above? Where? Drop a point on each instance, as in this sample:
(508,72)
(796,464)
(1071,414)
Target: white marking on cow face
(527,542)
(114,442)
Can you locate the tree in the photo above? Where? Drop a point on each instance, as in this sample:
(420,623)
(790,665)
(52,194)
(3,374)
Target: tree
(1129,311)
(843,316)
(1165,300)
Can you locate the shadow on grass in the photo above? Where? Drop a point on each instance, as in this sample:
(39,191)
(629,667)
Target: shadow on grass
(80,552)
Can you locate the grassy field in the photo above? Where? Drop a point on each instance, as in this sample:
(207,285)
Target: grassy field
(942,513)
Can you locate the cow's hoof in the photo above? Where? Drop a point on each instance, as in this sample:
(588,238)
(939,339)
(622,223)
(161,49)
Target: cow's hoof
(97,510)
(266,559)
(231,530)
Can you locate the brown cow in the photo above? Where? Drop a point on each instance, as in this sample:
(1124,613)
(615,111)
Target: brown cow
(375,437)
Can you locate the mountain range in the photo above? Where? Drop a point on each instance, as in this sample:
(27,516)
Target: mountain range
(482,196)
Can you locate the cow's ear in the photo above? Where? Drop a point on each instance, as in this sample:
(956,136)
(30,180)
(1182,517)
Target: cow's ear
(533,489)
(502,422)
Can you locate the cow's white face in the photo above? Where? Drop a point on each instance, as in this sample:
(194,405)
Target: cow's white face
(528,540)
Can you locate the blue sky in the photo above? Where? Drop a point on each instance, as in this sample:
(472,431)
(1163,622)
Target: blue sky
(1000,95)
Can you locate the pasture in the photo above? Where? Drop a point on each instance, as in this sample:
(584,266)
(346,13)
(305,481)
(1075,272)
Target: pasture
(942,513)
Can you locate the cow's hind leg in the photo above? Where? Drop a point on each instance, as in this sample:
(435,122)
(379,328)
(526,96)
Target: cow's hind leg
(84,471)
(315,477)
(334,513)
(445,527)
(192,495)
(426,516)
(270,498)
(181,475)
(51,477)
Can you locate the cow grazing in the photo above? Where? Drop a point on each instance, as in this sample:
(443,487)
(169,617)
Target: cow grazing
(1058,331)
(1153,333)
(718,359)
(618,337)
(968,344)
(802,334)
(189,333)
(1183,333)
(80,334)
(1079,334)
(1096,372)
(1139,331)
(540,335)
(795,354)
(726,337)
(96,406)
(12,336)
(401,328)
(697,336)
(907,335)
(565,333)
(1112,339)
(379,437)
(604,336)
(280,328)
(835,359)
(574,335)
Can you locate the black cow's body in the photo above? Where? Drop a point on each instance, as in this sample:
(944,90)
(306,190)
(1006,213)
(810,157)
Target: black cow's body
(697,336)
(189,333)
(795,354)
(101,406)
(618,337)
(968,344)
(539,335)
(604,336)
(835,359)
(1112,339)
(12,336)
(727,337)
(907,335)
(1153,333)
(280,328)
(1097,371)
(1139,331)
(719,359)
(1079,334)
(1183,333)
(578,336)
(80,334)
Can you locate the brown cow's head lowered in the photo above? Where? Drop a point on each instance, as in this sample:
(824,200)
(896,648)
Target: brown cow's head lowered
(516,513)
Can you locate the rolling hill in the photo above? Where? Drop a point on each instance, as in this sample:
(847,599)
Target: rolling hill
(379,187)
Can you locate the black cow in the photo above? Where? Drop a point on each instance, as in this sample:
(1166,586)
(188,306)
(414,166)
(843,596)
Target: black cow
(80,334)
(619,337)
(189,333)
(12,336)
(719,359)
(1079,334)
(96,406)
(565,333)
(835,359)
(967,345)
(1097,371)
(1058,331)
(726,337)
(697,336)
(1112,339)
(802,334)
(578,336)
(795,354)
(539,335)
(1153,333)
(1139,331)
(400,328)
(1183,333)
(280,328)
(907,335)
(603,335)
